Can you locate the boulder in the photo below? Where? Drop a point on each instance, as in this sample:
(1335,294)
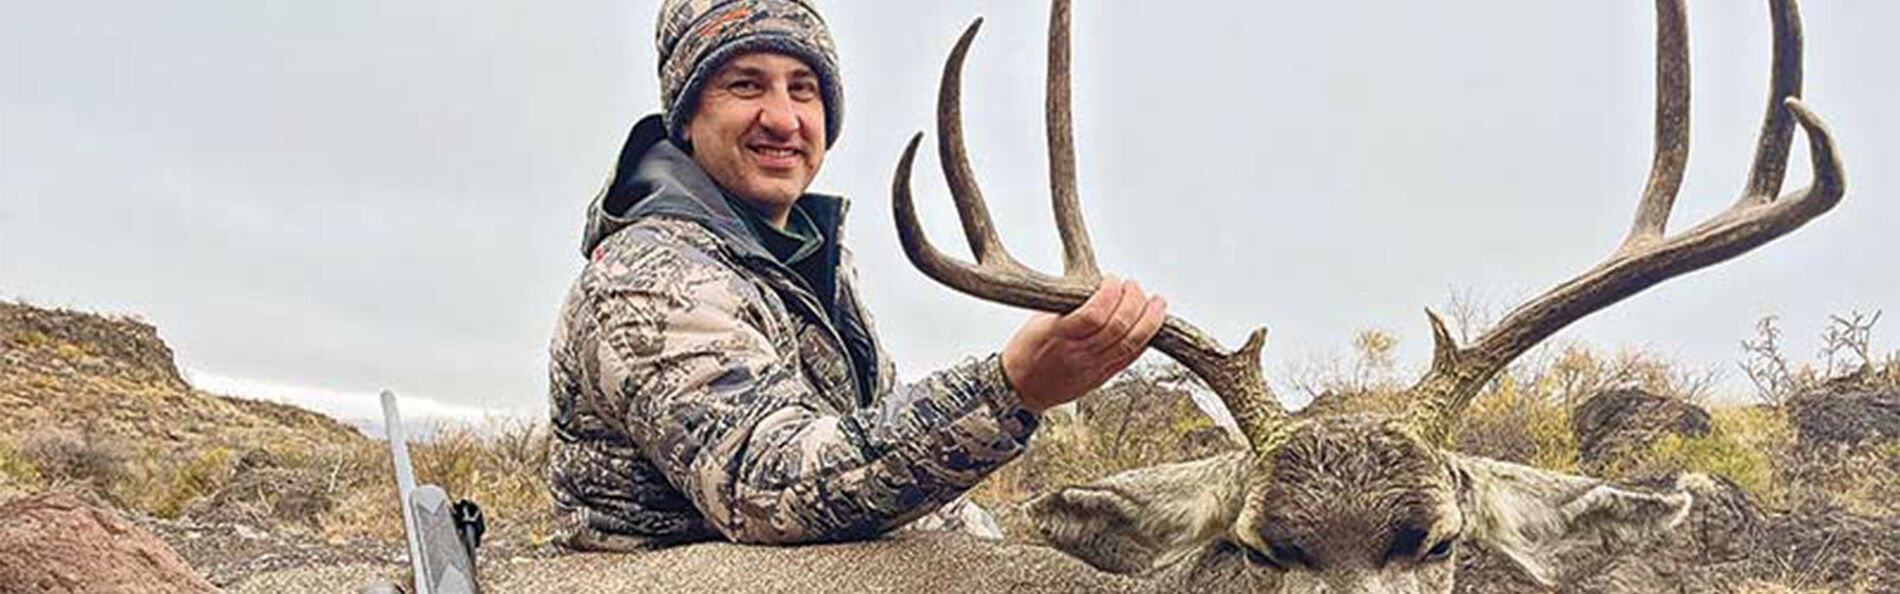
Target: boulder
(55,544)
(1616,423)
(1845,415)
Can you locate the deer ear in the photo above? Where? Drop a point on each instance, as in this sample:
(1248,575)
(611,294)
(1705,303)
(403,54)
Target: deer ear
(1144,518)
(1534,516)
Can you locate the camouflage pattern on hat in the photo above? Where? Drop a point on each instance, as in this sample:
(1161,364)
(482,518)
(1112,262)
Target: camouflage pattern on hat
(696,37)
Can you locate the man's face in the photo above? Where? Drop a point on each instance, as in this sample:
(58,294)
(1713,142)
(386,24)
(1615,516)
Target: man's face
(759,130)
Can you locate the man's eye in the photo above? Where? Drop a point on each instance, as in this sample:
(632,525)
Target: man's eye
(804,91)
(744,86)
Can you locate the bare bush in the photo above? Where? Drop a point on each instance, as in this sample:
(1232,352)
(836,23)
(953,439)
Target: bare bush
(1846,351)
(1847,344)
(84,458)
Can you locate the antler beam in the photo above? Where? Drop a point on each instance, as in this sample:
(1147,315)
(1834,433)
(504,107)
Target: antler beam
(996,276)
(1647,255)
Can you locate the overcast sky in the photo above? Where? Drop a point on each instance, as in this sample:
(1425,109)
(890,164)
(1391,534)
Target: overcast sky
(315,200)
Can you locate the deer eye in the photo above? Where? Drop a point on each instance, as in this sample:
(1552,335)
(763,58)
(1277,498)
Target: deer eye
(1440,551)
(1259,559)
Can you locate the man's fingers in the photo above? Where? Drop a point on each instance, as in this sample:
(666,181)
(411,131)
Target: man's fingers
(1085,321)
(1124,318)
(1136,340)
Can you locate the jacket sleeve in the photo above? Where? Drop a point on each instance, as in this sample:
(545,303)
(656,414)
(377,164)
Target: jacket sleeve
(688,358)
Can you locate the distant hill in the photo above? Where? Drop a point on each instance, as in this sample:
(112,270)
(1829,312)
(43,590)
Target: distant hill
(113,376)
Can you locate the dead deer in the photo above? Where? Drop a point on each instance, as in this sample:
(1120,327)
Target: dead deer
(1365,502)
(1350,503)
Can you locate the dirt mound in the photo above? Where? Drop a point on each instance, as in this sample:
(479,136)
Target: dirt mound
(55,544)
(1615,423)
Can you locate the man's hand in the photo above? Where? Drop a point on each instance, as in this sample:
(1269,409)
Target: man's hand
(1053,360)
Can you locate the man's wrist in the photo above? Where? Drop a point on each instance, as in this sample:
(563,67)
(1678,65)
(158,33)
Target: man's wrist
(1013,387)
(1017,417)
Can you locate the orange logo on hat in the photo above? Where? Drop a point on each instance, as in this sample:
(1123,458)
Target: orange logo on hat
(719,23)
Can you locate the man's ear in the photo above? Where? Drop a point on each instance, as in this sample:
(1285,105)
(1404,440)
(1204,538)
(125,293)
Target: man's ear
(1144,518)
(1533,516)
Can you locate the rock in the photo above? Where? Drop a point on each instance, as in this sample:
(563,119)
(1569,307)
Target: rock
(1616,423)
(54,544)
(1845,416)
(117,345)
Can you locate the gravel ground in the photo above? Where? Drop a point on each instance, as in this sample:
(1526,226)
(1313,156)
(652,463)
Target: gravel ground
(934,564)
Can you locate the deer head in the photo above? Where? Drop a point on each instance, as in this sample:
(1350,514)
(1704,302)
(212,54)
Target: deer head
(1371,503)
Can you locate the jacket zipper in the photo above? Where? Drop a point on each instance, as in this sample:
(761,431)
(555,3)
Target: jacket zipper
(817,310)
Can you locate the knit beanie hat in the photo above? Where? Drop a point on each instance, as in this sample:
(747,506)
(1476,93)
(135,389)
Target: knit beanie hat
(697,37)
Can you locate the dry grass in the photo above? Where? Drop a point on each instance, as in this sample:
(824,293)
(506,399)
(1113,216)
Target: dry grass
(338,492)
(17,472)
(500,464)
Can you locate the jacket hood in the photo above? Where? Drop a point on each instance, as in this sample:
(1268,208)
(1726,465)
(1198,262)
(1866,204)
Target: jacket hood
(654,177)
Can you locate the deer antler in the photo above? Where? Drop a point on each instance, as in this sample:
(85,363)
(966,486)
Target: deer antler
(1647,256)
(1234,376)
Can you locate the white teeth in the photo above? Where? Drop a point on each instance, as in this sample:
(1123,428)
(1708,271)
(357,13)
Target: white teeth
(775,152)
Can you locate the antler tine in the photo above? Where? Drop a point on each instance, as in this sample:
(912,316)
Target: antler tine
(1648,257)
(1078,254)
(1777,127)
(978,228)
(1672,126)
(1234,376)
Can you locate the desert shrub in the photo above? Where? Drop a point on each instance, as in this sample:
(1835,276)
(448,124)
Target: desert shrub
(82,458)
(31,339)
(364,489)
(200,475)
(15,468)
(499,464)
(1743,445)
(1508,421)
(1524,414)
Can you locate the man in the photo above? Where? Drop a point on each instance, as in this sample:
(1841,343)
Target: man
(714,373)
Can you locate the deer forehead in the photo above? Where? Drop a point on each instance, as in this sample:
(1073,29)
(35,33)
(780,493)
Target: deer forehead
(1350,484)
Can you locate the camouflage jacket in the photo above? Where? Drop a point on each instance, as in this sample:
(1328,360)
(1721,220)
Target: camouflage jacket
(699,389)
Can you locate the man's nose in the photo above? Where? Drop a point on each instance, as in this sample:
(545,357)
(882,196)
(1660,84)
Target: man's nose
(778,115)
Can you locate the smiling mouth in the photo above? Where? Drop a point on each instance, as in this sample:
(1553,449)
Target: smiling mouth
(772,152)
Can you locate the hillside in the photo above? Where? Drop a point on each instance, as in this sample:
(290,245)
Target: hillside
(112,377)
